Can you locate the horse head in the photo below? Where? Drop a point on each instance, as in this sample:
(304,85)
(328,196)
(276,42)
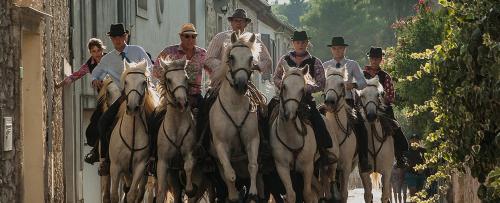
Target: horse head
(174,82)
(334,87)
(293,87)
(239,58)
(371,98)
(134,83)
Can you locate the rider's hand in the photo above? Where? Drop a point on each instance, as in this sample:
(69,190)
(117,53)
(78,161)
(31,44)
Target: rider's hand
(349,85)
(97,84)
(66,81)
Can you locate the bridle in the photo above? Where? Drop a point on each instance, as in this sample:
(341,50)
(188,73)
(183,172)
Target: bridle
(234,72)
(376,103)
(141,96)
(339,96)
(284,101)
(171,92)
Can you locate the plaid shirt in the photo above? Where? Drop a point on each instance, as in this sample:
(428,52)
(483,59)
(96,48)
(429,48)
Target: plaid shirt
(387,83)
(215,49)
(193,69)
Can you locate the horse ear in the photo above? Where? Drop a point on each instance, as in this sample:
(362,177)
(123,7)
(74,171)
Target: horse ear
(234,37)
(163,63)
(285,66)
(252,38)
(305,69)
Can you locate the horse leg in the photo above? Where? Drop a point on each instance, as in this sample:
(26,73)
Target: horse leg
(284,173)
(161,171)
(253,151)
(367,184)
(386,186)
(136,178)
(115,181)
(105,187)
(142,188)
(345,181)
(309,196)
(227,171)
(188,168)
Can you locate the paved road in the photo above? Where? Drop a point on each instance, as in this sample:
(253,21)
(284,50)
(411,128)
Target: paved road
(356,196)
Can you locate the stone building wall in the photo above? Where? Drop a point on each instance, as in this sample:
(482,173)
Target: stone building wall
(56,50)
(53,30)
(10,169)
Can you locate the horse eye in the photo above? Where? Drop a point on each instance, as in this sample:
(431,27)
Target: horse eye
(168,81)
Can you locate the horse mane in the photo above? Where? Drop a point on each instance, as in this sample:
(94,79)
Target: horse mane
(242,39)
(165,64)
(375,82)
(102,96)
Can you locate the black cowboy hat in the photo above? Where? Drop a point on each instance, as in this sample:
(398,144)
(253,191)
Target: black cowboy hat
(117,30)
(299,36)
(239,13)
(375,52)
(338,41)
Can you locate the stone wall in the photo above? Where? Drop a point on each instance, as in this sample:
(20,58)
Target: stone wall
(54,32)
(10,168)
(56,50)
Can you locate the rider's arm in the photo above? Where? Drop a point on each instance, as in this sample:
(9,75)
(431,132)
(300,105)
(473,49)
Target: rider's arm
(358,75)
(214,51)
(319,78)
(389,90)
(100,70)
(278,73)
(265,62)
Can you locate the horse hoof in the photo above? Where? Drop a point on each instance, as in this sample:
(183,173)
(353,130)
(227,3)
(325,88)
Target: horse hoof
(252,197)
(192,192)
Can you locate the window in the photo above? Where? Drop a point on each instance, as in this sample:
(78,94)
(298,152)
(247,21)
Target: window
(142,8)
(219,23)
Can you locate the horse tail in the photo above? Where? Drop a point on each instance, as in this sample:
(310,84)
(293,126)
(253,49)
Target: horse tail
(375,177)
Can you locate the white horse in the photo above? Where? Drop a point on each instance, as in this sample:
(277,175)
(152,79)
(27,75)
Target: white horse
(176,136)
(108,94)
(233,119)
(292,140)
(128,151)
(380,143)
(340,129)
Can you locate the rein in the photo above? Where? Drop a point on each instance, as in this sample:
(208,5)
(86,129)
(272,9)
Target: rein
(295,151)
(238,127)
(171,93)
(131,147)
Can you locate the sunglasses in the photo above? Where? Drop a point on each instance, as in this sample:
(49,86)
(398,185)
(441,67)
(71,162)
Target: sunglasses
(189,36)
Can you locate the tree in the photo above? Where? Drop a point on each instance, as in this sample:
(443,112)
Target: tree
(464,68)
(362,23)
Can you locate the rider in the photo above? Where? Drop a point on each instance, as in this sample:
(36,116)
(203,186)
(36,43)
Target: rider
(338,48)
(196,57)
(96,48)
(300,57)
(400,143)
(238,21)
(112,64)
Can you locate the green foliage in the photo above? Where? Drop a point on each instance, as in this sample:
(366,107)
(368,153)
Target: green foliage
(291,12)
(362,23)
(464,68)
(414,34)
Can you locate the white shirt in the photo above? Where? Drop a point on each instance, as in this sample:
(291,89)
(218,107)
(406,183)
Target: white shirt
(112,63)
(354,73)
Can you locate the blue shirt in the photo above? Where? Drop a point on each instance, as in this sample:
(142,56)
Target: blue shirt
(112,63)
